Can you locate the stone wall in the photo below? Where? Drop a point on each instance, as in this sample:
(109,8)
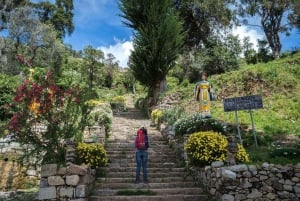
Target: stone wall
(250,182)
(72,183)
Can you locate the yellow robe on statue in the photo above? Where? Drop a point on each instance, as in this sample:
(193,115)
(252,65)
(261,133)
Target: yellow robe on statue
(202,95)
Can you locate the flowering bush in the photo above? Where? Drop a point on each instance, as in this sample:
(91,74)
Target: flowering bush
(93,155)
(196,123)
(203,148)
(118,102)
(242,156)
(46,115)
(156,116)
(100,114)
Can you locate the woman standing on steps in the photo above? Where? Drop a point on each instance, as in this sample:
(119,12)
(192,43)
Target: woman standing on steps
(141,145)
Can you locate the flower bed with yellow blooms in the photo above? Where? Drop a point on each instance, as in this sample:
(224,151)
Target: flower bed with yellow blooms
(203,148)
(93,155)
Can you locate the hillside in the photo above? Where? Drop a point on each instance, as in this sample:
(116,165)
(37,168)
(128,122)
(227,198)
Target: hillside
(278,82)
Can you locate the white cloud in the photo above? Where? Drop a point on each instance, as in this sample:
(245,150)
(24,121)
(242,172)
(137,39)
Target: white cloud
(244,31)
(121,50)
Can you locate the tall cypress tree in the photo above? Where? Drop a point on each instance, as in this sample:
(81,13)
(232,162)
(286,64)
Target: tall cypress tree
(158,38)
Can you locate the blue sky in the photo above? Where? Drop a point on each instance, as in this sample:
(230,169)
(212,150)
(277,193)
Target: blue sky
(97,23)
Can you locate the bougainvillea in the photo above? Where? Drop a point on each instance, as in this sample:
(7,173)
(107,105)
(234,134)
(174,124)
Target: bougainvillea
(46,115)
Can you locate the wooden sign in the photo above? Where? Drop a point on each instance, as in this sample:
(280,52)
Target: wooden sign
(243,103)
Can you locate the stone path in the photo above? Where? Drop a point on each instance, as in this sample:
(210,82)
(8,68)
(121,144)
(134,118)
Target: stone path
(167,179)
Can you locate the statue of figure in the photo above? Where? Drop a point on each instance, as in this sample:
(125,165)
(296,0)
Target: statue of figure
(203,94)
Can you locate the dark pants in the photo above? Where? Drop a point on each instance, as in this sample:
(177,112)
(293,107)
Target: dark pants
(141,160)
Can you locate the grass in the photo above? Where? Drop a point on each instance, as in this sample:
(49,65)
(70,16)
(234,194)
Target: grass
(278,82)
(136,192)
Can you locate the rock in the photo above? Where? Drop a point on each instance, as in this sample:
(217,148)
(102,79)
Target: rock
(55,181)
(247,174)
(62,171)
(76,169)
(265,165)
(86,179)
(72,180)
(254,194)
(246,184)
(81,191)
(44,183)
(66,192)
(217,164)
(296,179)
(297,190)
(80,199)
(288,187)
(31,173)
(227,174)
(227,197)
(48,170)
(240,197)
(238,168)
(271,196)
(47,193)
(283,194)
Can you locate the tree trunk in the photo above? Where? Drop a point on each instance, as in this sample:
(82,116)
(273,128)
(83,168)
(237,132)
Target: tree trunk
(155,91)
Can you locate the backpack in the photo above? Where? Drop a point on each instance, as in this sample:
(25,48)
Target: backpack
(141,140)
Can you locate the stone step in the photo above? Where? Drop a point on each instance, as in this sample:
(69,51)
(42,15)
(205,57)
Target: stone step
(150,185)
(124,164)
(153,180)
(165,191)
(150,174)
(149,169)
(179,197)
(131,159)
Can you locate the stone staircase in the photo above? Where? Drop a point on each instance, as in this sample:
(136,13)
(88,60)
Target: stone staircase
(167,180)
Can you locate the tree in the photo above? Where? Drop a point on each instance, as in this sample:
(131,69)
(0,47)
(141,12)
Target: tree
(111,66)
(203,19)
(7,6)
(32,40)
(93,62)
(158,38)
(60,15)
(271,14)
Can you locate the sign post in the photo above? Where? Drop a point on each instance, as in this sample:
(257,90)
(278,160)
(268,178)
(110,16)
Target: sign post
(244,103)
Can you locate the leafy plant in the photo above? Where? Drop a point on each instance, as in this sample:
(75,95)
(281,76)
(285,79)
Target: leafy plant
(203,148)
(172,115)
(46,115)
(196,123)
(100,114)
(93,155)
(242,156)
(156,116)
(118,102)
(291,153)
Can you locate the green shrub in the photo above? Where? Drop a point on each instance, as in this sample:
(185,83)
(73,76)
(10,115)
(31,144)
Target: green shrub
(171,115)
(118,102)
(93,155)
(196,123)
(203,148)
(291,153)
(101,114)
(157,116)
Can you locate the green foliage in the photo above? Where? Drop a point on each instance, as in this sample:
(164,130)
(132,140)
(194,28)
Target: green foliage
(203,148)
(196,123)
(291,153)
(172,115)
(118,102)
(8,85)
(157,41)
(157,116)
(101,114)
(93,155)
(45,116)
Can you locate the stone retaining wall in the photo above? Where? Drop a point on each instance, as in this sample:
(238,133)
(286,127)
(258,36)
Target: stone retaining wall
(72,183)
(251,183)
